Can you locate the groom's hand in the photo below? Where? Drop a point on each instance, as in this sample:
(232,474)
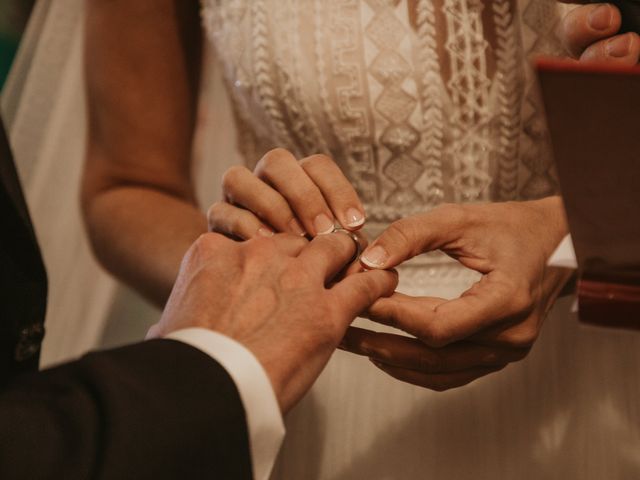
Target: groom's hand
(590,33)
(277,296)
(493,323)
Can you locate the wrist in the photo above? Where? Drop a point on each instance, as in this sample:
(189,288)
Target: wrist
(553,215)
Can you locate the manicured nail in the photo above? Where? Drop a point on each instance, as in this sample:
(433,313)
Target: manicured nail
(355,218)
(601,17)
(265,232)
(323,224)
(374,257)
(618,47)
(296,228)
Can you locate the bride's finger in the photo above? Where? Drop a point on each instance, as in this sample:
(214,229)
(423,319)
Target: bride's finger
(410,353)
(289,244)
(236,222)
(280,169)
(241,187)
(336,189)
(586,25)
(436,381)
(620,50)
(438,322)
(411,236)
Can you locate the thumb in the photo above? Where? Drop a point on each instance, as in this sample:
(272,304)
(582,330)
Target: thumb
(414,235)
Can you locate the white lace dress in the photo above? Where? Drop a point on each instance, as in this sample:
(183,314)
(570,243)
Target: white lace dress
(421,102)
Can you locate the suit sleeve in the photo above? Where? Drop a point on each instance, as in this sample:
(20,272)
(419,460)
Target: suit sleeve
(158,409)
(264,419)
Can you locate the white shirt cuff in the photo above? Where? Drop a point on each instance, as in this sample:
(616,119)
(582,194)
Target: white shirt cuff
(264,419)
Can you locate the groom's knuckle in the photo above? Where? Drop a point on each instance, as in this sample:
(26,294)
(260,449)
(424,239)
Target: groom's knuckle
(274,159)
(260,250)
(232,177)
(205,245)
(522,337)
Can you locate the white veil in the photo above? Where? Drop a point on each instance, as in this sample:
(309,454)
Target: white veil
(43,106)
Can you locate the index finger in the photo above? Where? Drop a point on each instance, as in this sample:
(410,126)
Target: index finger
(336,189)
(411,236)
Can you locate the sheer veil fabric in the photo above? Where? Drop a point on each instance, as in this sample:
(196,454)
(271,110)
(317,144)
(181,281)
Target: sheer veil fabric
(44,109)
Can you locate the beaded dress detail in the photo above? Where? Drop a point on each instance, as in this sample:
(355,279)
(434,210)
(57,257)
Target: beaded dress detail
(420,102)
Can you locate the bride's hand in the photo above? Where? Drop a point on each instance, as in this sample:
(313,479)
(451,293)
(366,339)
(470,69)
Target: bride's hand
(493,323)
(283,194)
(589,33)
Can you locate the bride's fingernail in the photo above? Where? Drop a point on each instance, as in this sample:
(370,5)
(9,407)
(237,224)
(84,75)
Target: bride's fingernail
(323,224)
(265,232)
(375,257)
(296,228)
(355,218)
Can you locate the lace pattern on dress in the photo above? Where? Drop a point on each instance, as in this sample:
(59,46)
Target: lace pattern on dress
(420,102)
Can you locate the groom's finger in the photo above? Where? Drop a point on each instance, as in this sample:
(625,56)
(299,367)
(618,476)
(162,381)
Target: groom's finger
(414,235)
(290,244)
(236,222)
(410,353)
(439,322)
(328,254)
(355,293)
(436,381)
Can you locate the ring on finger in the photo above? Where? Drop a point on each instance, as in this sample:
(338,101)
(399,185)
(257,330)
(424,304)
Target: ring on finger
(355,239)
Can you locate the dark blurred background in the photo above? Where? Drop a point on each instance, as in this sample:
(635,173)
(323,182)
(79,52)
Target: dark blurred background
(13,19)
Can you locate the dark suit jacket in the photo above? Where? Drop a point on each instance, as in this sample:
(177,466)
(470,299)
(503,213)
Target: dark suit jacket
(158,409)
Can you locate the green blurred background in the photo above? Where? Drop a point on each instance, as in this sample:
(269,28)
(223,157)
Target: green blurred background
(13,19)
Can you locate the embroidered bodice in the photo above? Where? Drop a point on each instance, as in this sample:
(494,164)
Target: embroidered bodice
(419,101)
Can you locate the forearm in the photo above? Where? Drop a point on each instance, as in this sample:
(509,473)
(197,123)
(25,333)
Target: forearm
(142,85)
(141,234)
